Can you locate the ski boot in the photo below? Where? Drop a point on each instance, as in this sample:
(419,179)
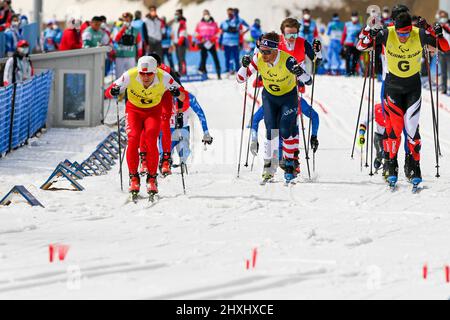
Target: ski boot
(135,186)
(166,165)
(378,163)
(152,187)
(143,171)
(289,171)
(297,164)
(416,175)
(268,173)
(409,161)
(392,173)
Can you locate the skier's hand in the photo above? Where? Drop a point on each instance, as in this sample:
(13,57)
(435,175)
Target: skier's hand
(374,32)
(361,140)
(314,144)
(422,23)
(246,60)
(298,70)
(207,139)
(438,30)
(175,91)
(254,147)
(115,91)
(179,120)
(317,46)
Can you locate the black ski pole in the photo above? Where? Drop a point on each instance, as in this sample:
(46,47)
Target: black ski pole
(183,165)
(119,134)
(255,98)
(312,102)
(428,61)
(437,97)
(372,101)
(372,55)
(243,128)
(304,141)
(359,112)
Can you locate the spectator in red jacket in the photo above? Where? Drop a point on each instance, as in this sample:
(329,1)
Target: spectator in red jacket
(206,36)
(71,39)
(6,14)
(180,39)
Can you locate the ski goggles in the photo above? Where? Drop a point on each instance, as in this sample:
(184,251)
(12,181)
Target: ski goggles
(266,52)
(291,36)
(146,73)
(403,34)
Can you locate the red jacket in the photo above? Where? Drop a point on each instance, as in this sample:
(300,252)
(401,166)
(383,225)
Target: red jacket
(71,40)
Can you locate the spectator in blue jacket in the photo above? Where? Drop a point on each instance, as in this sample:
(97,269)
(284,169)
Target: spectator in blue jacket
(13,35)
(230,39)
(350,38)
(255,34)
(335,32)
(51,37)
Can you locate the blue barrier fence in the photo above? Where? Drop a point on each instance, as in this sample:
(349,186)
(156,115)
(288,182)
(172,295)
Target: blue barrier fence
(29,110)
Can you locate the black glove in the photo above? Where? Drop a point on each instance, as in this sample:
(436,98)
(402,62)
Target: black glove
(298,70)
(207,139)
(115,91)
(175,91)
(374,32)
(317,46)
(438,30)
(179,120)
(246,60)
(314,144)
(422,23)
(344,52)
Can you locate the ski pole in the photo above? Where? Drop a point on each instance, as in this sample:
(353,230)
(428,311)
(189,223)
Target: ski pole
(255,98)
(304,140)
(182,177)
(372,98)
(372,54)
(437,97)
(312,102)
(243,128)
(120,144)
(359,112)
(428,60)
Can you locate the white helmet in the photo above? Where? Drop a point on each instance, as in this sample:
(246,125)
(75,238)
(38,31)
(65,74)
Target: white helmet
(147,64)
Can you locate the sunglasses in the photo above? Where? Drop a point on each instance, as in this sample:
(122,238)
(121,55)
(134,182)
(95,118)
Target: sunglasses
(403,35)
(146,73)
(266,52)
(291,36)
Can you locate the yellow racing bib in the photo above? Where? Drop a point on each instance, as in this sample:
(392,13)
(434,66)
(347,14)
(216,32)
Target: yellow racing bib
(277,80)
(404,60)
(145,98)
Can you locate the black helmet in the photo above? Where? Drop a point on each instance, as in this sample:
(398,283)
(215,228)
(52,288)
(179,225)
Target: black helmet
(397,9)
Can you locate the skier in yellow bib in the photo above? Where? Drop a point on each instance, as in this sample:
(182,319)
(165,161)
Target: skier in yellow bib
(280,74)
(403,48)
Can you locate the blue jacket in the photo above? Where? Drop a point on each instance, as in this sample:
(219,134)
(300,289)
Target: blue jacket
(335,30)
(231,32)
(308,32)
(51,39)
(352,31)
(12,37)
(255,33)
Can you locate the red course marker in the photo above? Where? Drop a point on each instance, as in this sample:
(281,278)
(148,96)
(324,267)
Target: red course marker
(447,274)
(255,254)
(425,272)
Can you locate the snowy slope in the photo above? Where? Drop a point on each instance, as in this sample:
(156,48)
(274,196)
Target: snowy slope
(343,236)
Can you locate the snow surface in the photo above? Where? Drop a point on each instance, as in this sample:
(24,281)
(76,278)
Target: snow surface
(343,236)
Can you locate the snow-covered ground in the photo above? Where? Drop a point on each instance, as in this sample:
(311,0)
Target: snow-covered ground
(343,236)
